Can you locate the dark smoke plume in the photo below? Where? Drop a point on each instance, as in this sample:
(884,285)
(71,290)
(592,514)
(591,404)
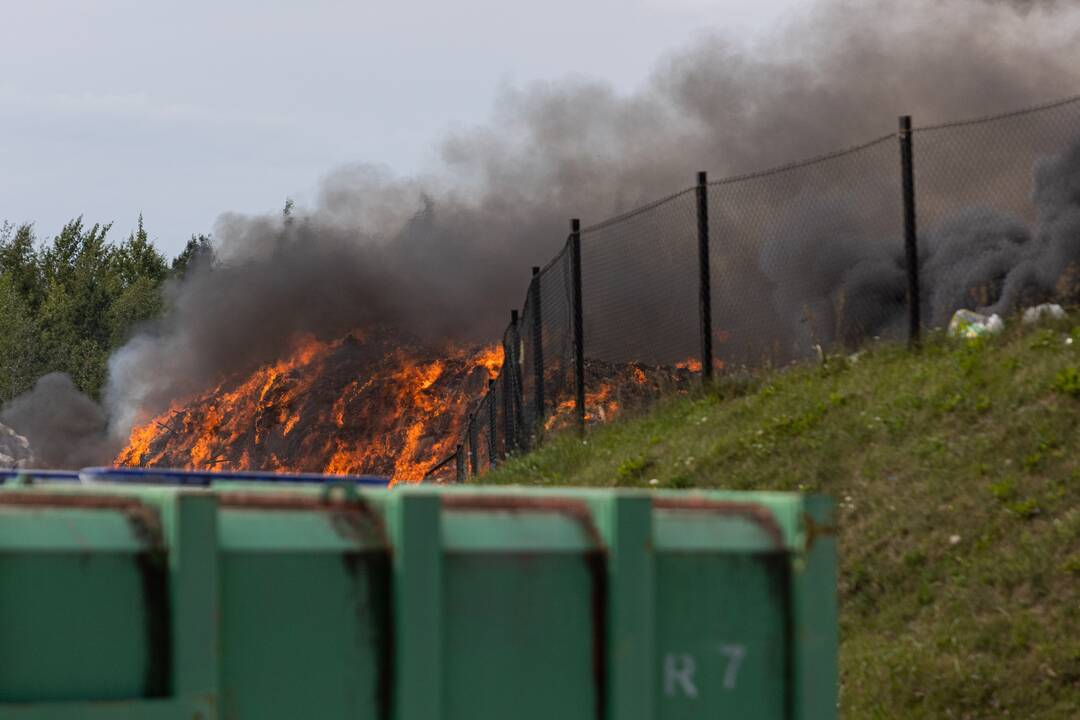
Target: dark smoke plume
(445,255)
(65,428)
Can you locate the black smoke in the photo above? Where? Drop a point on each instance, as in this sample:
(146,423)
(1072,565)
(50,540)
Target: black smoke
(65,428)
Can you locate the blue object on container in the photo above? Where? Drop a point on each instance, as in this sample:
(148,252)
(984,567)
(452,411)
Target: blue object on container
(203,478)
(10,475)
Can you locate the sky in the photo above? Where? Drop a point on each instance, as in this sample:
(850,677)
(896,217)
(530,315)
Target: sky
(183,110)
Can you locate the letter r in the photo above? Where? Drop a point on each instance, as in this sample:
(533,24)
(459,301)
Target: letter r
(679,675)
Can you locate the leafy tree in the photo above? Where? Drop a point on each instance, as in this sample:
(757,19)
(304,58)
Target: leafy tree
(67,304)
(199,249)
(140,302)
(19,262)
(18,340)
(137,259)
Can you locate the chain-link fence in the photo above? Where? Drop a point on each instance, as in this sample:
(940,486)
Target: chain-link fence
(808,257)
(875,241)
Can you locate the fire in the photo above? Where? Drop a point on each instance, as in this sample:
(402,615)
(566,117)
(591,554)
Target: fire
(612,389)
(694,365)
(491,358)
(601,404)
(372,405)
(367,403)
(691,364)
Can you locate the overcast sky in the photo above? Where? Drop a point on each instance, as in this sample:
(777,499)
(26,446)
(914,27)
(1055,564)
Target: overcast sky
(184,109)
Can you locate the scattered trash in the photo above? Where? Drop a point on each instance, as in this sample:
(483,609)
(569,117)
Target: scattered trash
(654,481)
(14,449)
(954,539)
(1035,314)
(970,325)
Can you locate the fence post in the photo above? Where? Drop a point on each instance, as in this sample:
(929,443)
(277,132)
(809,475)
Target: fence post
(493,424)
(474,460)
(508,385)
(911,247)
(459,464)
(579,330)
(704,286)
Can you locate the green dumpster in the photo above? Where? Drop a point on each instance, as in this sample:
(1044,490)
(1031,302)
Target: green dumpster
(286,601)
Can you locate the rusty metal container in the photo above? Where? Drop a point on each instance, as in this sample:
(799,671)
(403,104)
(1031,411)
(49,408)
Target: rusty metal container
(249,600)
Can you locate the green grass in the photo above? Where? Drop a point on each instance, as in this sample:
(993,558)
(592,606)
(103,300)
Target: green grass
(957,475)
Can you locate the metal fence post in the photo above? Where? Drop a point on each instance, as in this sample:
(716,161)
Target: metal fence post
(911,247)
(508,386)
(538,348)
(579,330)
(474,460)
(493,423)
(459,464)
(704,286)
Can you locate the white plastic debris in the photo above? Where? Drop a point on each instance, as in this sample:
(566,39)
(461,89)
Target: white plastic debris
(1036,314)
(970,325)
(14,449)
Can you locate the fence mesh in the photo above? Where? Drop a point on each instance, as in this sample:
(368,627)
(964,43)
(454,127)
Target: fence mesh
(804,259)
(529,330)
(997,202)
(639,285)
(499,399)
(557,341)
(807,257)
(480,438)
(484,453)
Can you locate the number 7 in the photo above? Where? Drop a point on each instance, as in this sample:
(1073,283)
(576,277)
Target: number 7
(735,655)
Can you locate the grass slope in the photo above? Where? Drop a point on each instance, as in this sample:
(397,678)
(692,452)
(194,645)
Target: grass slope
(957,473)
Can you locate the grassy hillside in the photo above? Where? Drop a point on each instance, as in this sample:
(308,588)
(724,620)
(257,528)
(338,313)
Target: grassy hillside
(957,473)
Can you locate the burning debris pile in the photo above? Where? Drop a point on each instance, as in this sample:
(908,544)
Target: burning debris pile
(367,403)
(612,389)
(364,404)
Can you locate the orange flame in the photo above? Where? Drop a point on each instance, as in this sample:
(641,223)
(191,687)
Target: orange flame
(328,407)
(600,406)
(377,405)
(691,364)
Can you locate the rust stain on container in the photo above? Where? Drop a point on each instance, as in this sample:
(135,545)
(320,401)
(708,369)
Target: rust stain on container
(144,520)
(756,514)
(576,509)
(596,563)
(815,530)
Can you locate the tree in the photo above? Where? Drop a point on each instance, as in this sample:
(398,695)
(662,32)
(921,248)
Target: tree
(18,340)
(20,263)
(64,307)
(137,259)
(139,303)
(199,249)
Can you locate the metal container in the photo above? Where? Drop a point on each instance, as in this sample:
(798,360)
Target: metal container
(248,600)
